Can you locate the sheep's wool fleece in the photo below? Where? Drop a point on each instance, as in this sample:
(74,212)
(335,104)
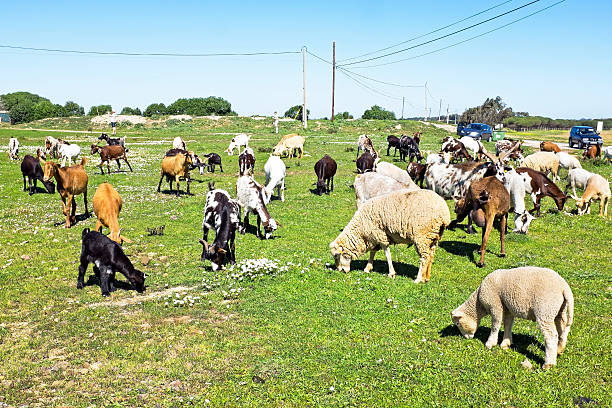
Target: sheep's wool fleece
(401,217)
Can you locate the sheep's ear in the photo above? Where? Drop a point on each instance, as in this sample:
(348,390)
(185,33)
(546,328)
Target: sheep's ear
(457,314)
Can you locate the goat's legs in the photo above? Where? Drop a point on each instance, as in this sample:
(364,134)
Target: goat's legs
(82,268)
(108,166)
(486,232)
(24,183)
(160,181)
(128,163)
(73,210)
(100,165)
(258,226)
(220,166)
(503,223)
(245,223)
(105,276)
(232,247)
(118,164)
(188,179)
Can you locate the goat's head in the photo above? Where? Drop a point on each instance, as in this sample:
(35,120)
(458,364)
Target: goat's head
(582,205)
(270,227)
(94,148)
(321,187)
(522,222)
(215,254)
(103,136)
(49,169)
(137,279)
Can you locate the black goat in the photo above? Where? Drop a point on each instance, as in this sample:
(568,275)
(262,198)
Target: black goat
(222,214)
(30,168)
(213,160)
(107,257)
(325,170)
(394,142)
(365,162)
(408,147)
(113,141)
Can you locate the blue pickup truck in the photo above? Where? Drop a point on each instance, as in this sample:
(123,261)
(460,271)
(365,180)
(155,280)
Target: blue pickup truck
(583,136)
(478,131)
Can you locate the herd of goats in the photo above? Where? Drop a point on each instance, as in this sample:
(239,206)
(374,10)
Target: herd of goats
(391,209)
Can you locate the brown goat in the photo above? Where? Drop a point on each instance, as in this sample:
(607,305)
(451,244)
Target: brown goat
(175,167)
(485,200)
(71,181)
(107,204)
(592,152)
(549,147)
(108,153)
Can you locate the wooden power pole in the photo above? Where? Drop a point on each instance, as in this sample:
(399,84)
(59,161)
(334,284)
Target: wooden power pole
(403,99)
(304,111)
(425,114)
(333,79)
(440,110)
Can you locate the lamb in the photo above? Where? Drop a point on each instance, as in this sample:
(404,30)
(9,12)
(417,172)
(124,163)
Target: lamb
(252,198)
(485,200)
(577,178)
(178,143)
(13,149)
(280,146)
(597,188)
(241,139)
(107,205)
(568,162)
(373,184)
(68,151)
(246,162)
(30,169)
(529,292)
(391,170)
(175,167)
(107,257)
(549,147)
(325,169)
(402,217)
(275,171)
(293,145)
(546,162)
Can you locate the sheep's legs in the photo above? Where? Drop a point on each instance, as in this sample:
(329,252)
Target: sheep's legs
(551,339)
(508,321)
(370,265)
(562,331)
(390,262)
(502,234)
(496,321)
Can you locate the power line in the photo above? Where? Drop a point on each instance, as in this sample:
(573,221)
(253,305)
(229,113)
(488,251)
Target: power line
(381,82)
(444,36)
(370,88)
(320,58)
(426,34)
(147,54)
(463,41)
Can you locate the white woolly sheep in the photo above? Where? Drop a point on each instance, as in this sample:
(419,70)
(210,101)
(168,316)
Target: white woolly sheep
(533,293)
(546,162)
(369,185)
(568,161)
(402,217)
(391,170)
(577,178)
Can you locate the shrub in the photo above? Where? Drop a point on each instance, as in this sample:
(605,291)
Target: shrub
(295,112)
(376,112)
(155,109)
(73,109)
(344,115)
(99,110)
(131,111)
(200,106)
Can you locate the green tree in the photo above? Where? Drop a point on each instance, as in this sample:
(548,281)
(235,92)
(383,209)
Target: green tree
(73,109)
(492,111)
(296,112)
(131,111)
(99,110)
(200,106)
(376,112)
(155,109)
(344,115)
(21,106)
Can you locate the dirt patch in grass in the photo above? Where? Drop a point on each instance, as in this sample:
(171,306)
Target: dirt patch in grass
(142,298)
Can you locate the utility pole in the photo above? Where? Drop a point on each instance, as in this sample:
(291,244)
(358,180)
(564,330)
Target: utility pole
(440,110)
(304,111)
(447,117)
(333,79)
(403,98)
(425,115)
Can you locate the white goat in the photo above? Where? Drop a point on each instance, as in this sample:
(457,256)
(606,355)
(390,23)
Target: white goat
(438,158)
(369,185)
(568,161)
(13,151)
(473,145)
(178,143)
(241,139)
(606,153)
(251,197)
(275,170)
(68,151)
(515,184)
(577,178)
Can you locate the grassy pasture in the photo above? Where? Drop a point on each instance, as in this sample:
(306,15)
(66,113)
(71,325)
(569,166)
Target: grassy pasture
(305,335)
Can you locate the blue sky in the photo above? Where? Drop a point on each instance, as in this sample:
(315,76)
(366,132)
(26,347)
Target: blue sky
(557,63)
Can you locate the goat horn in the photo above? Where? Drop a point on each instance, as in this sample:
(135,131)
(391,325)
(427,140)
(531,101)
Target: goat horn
(490,156)
(503,155)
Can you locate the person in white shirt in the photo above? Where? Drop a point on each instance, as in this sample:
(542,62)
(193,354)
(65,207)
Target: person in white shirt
(114,122)
(275,122)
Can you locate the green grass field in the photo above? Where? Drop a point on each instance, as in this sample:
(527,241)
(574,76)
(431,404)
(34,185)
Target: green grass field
(296,334)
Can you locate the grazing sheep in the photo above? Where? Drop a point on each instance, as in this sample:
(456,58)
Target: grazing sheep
(568,162)
(71,181)
(275,171)
(546,162)
(13,149)
(549,147)
(325,169)
(372,184)
(107,205)
(597,188)
(402,217)
(107,257)
(391,170)
(280,146)
(529,292)
(291,146)
(577,178)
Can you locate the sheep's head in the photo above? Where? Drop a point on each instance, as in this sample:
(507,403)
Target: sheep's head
(215,254)
(341,258)
(466,324)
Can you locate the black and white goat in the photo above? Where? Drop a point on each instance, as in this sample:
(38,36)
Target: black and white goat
(13,148)
(252,198)
(246,161)
(113,141)
(221,214)
(107,257)
(213,159)
(365,144)
(409,147)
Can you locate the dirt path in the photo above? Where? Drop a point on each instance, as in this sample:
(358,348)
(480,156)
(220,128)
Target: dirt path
(448,128)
